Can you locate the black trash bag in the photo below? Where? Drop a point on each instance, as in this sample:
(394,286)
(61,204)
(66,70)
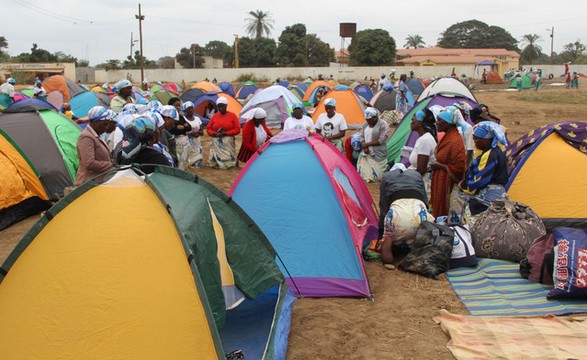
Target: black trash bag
(431,251)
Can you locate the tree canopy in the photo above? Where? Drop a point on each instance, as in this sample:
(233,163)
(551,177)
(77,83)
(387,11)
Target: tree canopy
(191,57)
(572,52)
(219,50)
(532,51)
(257,52)
(297,48)
(414,41)
(475,34)
(259,23)
(372,47)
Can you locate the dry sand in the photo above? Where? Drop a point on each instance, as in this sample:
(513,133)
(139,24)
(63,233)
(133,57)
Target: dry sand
(397,324)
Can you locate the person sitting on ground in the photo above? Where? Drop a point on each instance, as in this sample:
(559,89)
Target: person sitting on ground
(7,92)
(92,151)
(488,173)
(124,96)
(298,120)
(39,91)
(139,138)
(332,125)
(255,133)
(223,128)
(372,162)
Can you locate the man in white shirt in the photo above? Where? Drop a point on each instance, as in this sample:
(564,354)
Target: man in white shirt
(332,125)
(298,120)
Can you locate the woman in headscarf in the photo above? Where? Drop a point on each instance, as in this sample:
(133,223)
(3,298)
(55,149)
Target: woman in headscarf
(137,145)
(372,161)
(488,173)
(424,123)
(401,100)
(39,91)
(7,92)
(332,125)
(179,131)
(450,165)
(223,128)
(124,90)
(255,133)
(195,153)
(92,150)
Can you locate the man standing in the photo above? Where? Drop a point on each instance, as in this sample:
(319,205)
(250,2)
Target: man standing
(332,125)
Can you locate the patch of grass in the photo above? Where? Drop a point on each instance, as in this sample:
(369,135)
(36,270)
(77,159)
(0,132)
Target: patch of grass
(558,97)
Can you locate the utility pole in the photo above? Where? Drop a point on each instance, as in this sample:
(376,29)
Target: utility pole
(551,45)
(193,56)
(236,64)
(141,17)
(132,44)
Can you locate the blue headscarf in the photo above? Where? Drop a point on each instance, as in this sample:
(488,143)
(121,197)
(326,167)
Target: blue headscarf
(98,113)
(137,135)
(452,115)
(490,130)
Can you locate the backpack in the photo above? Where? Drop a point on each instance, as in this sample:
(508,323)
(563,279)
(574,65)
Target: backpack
(570,264)
(430,252)
(538,264)
(463,252)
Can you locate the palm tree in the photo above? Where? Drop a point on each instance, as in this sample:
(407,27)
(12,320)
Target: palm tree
(415,41)
(531,51)
(260,22)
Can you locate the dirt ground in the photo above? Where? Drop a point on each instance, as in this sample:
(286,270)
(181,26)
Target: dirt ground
(397,324)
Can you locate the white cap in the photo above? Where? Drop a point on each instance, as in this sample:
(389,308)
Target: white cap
(222,100)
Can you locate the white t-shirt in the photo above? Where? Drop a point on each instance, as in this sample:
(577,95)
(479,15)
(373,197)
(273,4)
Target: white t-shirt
(39,91)
(425,145)
(8,89)
(261,135)
(292,123)
(196,124)
(331,126)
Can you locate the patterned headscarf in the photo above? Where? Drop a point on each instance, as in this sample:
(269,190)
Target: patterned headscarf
(186,105)
(169,111)
(490,130)
(97,113)
(371,112)
(330,102)
(137,135)
(121,85)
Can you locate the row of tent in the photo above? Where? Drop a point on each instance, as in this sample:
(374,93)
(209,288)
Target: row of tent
(230,293)
(29,123)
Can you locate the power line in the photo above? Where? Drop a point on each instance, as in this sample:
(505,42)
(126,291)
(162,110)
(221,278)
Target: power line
(66,18)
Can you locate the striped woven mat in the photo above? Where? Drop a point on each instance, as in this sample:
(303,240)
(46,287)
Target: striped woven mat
(495,288)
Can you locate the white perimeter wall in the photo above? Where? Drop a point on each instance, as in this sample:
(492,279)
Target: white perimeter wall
(339,73)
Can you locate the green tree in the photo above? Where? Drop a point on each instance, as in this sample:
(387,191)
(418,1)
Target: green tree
(82,63)
(572,52)
(473,34)
(372,47)
(258,23)
(166,62)
(3,45)
(531,50)
(220,50)
(135,62)
(111,64)
(297,48)
(257,52)
(188,57)
(62,57)
(41,55)
(291,50)
(319,52)
(414,41)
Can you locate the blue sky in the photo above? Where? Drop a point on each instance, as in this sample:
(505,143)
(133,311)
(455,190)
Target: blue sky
(101,30)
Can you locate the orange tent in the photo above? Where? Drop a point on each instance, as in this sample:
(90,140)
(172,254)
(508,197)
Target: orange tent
(206,86)
(60,90)
(21,191)
(310,91)
(348,104)
(233,105)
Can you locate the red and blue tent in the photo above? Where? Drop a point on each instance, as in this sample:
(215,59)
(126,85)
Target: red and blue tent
(315,210)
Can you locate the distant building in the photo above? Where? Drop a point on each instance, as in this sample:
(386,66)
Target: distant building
(342,56)
(41,70)
(432,56)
